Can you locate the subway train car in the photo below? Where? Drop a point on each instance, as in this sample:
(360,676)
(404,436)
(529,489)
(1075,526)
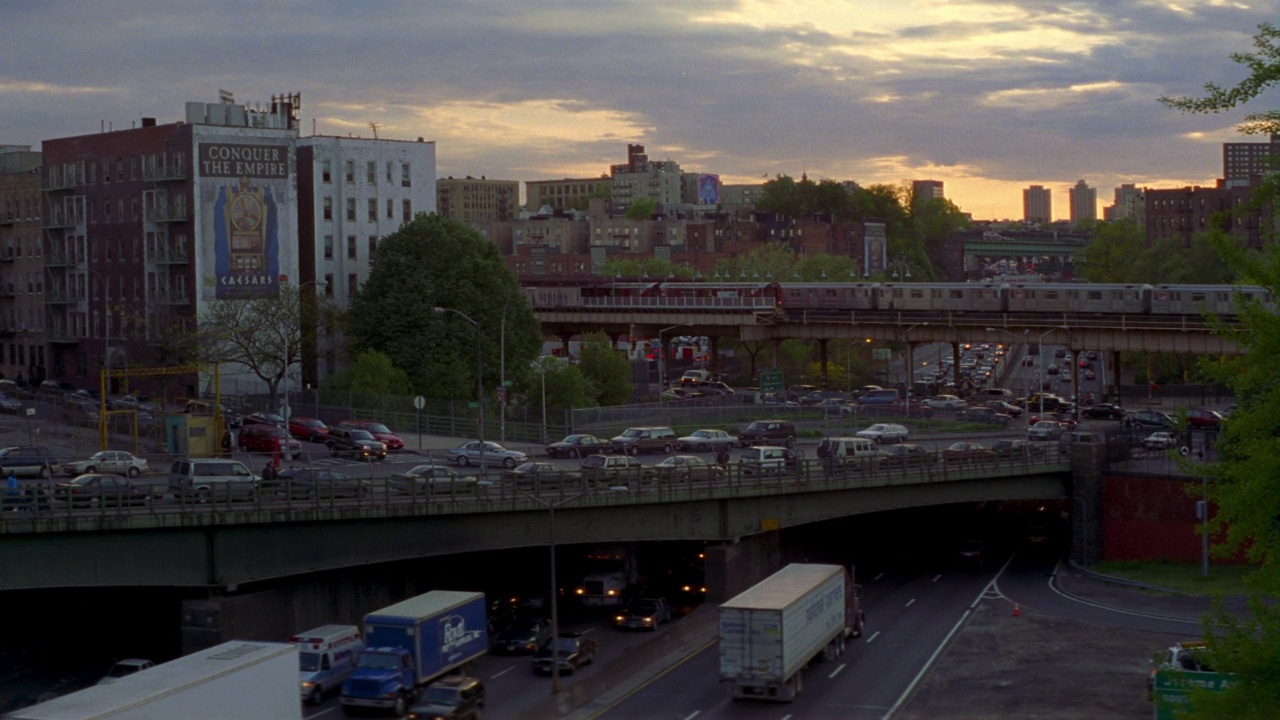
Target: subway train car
(953,297)
(834,297)
(1196,299)
(1078,298)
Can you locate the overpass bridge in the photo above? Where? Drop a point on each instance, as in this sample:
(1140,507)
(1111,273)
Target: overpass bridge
(225,544)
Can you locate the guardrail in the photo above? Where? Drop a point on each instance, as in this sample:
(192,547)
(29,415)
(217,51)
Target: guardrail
(43,507)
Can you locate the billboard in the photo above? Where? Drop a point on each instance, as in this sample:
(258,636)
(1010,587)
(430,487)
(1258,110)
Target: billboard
(244,193)
(708,189)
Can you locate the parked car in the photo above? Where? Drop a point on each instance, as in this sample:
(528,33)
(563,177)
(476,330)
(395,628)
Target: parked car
(432,480)
(535,473)
(485,453)
(108,461)
(967,452)
(125,668)
(314,484)
(903,455)
(262,438)
(1064,419)
(9,403)
(263,418)
(28,461)
(1004,407)
(946,402)
(766,460)
(1159,441)
(607,468)
(643,614)
(706,441)
(356,443)
(983,414)
(308,428)
(1201,418)
(1103,411)
(685,468)
(99,490)
(644,439)
(1015,448)
(81,412)
(523,637)
(380,432)
(768,432)
(1148,420)
(1046,430)
(577,446)
(885,433)
(574,651)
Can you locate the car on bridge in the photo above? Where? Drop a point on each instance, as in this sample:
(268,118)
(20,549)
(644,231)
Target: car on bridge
(881,433)
(486,453)
(578,445)
(706,441)
(686,468)
(967,452)
(432,480)
(535,474)
(1046,430)
(101,490)
(314,484)
(904,455)
(768,432)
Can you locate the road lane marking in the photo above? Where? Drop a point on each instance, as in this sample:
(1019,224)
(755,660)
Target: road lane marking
(910,602)
(692,715)
(937,577)
(504,672)
(874,635)
(877,577)
(836,671)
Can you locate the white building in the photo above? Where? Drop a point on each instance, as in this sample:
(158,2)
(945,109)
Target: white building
(352,193)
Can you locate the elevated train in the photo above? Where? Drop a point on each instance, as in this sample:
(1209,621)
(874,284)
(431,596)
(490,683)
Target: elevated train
(840,297)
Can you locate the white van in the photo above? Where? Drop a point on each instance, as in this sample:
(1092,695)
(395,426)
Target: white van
(840,451)
(766,460)
(326,657)
(204,479)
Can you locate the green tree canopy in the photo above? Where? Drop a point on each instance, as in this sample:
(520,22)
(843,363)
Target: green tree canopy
(371,372)
(642,209)
(433,262)
(607,372)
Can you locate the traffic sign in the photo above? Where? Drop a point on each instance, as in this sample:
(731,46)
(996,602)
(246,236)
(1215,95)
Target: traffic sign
(771,381)
(419,402)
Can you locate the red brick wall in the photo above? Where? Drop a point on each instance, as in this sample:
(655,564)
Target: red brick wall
(1151,518)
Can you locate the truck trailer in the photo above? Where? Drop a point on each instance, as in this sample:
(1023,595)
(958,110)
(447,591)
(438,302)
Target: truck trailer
(411,643)
(237,679)
(771,631)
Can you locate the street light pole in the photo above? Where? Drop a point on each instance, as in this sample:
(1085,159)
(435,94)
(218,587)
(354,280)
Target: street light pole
(484,467)
(906,336)
(662,360)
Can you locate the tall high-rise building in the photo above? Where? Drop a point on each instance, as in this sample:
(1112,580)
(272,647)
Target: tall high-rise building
(641,178)
(1241,162)
(1084,203)
(922,190)
(1128,203)
(1037,204)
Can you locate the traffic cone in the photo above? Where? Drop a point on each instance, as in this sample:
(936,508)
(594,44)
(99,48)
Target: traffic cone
(1017,611)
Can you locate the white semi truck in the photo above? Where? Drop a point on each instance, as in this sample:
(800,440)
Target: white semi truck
(771,631)
(237,679)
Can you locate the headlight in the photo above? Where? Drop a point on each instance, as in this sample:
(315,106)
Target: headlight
(308,685)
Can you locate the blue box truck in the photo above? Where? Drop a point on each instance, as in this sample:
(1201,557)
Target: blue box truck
(409,644)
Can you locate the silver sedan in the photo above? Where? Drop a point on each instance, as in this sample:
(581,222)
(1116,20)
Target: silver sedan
(486,454)
(108,461)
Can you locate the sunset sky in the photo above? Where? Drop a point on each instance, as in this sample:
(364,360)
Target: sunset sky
(988,97)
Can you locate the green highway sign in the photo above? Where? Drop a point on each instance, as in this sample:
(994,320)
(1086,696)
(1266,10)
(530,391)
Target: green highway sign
(771,381)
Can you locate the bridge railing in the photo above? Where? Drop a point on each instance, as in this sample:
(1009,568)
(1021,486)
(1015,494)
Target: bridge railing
(42,507)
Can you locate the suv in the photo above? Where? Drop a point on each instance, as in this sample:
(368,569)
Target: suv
(644,439)
(380,432)
(1148,420)
(769,432)
(268,439)
(356,443)
(456,697)
(27,461)
(610,468)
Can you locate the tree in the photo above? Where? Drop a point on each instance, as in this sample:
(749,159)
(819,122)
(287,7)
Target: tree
(263,335)
(1243,480)
(607,372)
(371,372)
(1109,255)
(433,262)
(565,387)
(642,209)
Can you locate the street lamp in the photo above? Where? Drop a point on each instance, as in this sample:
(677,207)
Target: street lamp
(662,359)
(484,467)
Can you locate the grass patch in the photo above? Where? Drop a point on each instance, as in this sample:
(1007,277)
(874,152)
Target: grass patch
(1225,579)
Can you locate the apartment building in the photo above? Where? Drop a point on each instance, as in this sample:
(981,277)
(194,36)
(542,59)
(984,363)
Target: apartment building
(477,199)
(22,315)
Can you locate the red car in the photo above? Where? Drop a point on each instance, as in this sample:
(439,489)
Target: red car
(1064,419)
(380,432)
(310,429)
(268,439)
(1201,418)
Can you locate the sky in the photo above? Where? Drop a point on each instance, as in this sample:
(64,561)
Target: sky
(987,96)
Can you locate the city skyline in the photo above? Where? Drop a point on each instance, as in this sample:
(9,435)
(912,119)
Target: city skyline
(989,98)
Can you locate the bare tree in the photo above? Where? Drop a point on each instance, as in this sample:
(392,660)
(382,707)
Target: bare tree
(264,335)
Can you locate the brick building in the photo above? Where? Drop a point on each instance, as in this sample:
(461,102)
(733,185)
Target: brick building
(22,314)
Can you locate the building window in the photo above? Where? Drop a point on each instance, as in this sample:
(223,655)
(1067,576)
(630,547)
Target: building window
(326,171)
(407,210)
(373,247)
(353,286)
(371,172)
(373,210)
(351,209)
(389,166)
(351,247)
(328,208)
(328,284)
(391,208)
(349,170)
(328,247)
(406,175)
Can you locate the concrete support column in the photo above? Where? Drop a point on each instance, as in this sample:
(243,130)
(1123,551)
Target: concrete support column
(1088,464)
(733,567)
(773,350)
(1114,367)
(955,365)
